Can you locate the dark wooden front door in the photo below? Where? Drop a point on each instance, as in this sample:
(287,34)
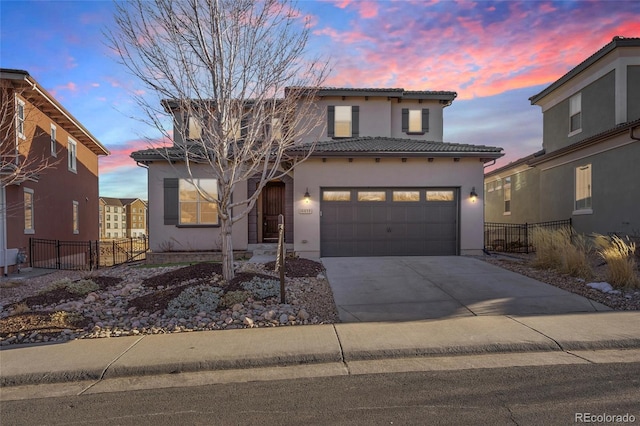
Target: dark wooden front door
(272,206)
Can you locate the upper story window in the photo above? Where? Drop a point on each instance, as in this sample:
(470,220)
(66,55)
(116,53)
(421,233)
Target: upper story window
(343,121)
(575,113)
(415,120)
(276,128)
(20,118)
(194,128)
(583,189)
(53,141)
(72,150)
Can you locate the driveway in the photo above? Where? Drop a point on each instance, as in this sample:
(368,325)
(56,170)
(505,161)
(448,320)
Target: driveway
(414,288)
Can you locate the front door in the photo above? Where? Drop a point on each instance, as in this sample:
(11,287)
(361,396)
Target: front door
(272,206)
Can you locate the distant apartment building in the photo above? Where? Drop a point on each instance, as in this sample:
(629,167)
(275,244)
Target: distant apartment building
(122,218)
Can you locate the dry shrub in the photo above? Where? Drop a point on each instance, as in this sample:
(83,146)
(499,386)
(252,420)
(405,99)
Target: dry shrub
(562,250)
(619,255)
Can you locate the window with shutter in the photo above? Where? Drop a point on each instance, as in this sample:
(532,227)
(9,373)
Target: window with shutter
(415,121)
(343,121)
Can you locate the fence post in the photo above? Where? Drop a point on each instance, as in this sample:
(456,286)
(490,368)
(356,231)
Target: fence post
(526,237)
(113,252)
(58,260)
(130,249)
(30,252)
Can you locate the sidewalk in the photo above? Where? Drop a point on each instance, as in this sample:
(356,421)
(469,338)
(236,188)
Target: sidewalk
(97,359)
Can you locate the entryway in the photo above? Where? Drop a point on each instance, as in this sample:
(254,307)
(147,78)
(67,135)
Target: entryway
(273,196)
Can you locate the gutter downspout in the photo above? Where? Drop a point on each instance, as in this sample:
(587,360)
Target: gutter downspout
(631,134)
(491,163)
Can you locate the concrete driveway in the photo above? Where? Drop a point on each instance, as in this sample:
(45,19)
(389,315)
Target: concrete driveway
(414,288)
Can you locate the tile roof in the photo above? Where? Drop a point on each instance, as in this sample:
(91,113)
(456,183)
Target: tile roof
(397,146)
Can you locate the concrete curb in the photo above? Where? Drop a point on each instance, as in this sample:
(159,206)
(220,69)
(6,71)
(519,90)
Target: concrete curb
(97,359)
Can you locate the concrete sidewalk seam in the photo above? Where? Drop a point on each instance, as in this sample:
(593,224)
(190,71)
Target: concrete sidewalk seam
(539,332)
(581,357)
(104,371)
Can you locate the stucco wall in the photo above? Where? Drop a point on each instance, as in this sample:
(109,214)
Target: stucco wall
(525,199)
(615,190)
(184,238)
(389,172)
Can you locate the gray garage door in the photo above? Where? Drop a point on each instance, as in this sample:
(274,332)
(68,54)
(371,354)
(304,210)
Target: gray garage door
(389,222)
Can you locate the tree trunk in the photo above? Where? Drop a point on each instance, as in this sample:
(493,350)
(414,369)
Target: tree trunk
(227,249)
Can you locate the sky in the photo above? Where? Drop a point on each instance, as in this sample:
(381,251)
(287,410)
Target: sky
(494,54)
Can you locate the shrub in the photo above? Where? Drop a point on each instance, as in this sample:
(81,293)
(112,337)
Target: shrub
(80,288)
(562,250)
(201,298)
(233,297)
(262,288)
(619,255)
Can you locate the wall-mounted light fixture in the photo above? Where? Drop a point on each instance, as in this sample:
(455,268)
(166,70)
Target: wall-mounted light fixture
(307,197)
(473,196)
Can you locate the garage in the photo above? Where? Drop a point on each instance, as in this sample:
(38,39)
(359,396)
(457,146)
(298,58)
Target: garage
(389,222)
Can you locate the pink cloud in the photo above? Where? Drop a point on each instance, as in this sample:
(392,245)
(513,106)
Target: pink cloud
(120,155)
(466,48)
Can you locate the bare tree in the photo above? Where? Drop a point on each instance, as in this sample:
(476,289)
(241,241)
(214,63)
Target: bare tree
(225,66)
(18,161)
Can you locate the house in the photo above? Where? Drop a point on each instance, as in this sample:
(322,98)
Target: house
(49,170)
(587,169)
(122,218)
(380,181)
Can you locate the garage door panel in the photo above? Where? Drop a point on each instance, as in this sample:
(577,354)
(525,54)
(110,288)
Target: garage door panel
(391,227)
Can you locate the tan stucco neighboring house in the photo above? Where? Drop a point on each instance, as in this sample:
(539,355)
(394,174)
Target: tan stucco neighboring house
(380,181)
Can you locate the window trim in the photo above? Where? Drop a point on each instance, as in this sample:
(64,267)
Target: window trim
(72,156)
(578,97)
(54,140)
(20,119)
(75,217)
(587,209)
(506,190)
(31,230)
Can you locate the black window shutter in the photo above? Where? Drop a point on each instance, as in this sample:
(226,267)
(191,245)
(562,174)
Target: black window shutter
(355,121)
(405,120)
(331,121)
(170,201)
(425,120)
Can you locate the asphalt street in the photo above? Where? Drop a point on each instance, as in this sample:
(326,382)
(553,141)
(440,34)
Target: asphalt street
(549,395)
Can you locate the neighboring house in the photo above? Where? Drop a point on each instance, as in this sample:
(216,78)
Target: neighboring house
(60,201)
(380,182)
(122,218)
(588,167)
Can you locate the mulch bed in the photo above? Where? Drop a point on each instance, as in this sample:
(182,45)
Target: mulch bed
(299,268)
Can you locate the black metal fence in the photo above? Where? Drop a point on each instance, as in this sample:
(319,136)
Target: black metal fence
(516,237)
(85,255)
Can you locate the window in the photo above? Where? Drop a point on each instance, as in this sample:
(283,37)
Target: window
(115,225)
(20,118)
(440,196)
(108,225)
(72,148)
(124,218)
(54,150)
(108,208)
(575,113)
(108,234)
(194,128)
(28,211)
(491,186)
(507,195)
(343,121)
(336,196)
(76,218)
(415,120)
(195,206)
(372,196)
(400,196)
(583,189)
(276,128)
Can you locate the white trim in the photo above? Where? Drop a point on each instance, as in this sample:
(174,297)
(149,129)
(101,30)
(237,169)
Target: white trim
(72,159)
(31,230)
(20,102)
(54,140)
(575,132)
(582,212)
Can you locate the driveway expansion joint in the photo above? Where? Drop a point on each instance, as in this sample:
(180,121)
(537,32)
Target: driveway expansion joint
(539,332)
(344,362)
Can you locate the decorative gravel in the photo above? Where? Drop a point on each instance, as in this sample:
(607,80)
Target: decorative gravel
(132,301)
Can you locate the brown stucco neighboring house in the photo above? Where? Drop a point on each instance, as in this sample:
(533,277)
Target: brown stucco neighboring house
(381,181)
(588,168)
(58,201)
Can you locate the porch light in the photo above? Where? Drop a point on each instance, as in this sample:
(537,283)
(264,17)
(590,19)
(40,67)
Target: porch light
(307,197)
(473,196)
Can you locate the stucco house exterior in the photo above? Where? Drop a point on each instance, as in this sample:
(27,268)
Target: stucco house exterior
(587,169)
(380,181)
(58,202)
